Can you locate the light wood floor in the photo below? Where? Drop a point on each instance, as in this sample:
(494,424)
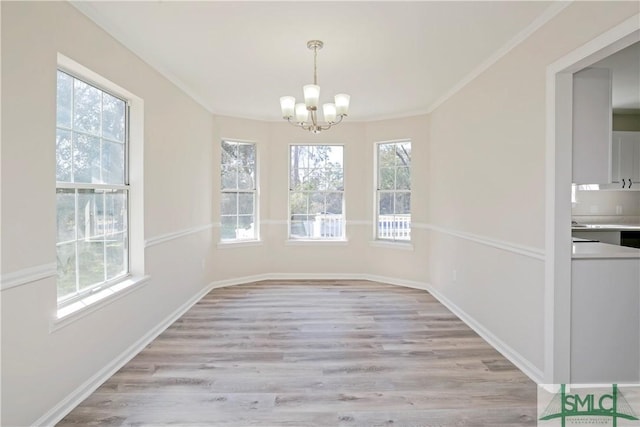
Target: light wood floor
(314,353)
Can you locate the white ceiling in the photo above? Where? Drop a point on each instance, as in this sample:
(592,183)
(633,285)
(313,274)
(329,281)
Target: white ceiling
(237,58)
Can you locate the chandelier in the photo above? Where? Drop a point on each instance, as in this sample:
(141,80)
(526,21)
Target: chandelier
(305,114)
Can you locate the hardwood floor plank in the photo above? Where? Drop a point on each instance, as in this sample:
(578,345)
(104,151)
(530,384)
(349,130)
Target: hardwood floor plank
(314,353)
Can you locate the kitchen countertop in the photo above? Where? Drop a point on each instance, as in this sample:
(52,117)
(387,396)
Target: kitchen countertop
(606,227)
(582,249)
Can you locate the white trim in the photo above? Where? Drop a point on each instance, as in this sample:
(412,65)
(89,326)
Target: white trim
(177,234)
(28,275)
(114,31)
(90,12)
(73,399)
(534,373)
(546,16)
(498,244)
(559,82)
(93,302)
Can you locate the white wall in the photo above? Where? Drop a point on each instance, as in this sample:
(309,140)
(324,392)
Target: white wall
(488,185)
(40,367)
(181,209)
(276,255)
(478,200)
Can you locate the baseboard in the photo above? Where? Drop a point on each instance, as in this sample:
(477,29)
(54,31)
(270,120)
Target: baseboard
(66,405)
(59,411)
(533,372)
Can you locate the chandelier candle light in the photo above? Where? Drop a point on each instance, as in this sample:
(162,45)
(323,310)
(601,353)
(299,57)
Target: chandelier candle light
(306,113)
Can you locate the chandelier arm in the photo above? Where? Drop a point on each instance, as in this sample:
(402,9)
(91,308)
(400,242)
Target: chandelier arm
(296,124)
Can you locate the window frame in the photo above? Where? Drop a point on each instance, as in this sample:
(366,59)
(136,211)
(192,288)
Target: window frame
(343,232)
(254,191)
(378,191)
(138,278)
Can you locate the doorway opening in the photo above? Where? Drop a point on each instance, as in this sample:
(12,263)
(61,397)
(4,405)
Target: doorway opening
(558,190)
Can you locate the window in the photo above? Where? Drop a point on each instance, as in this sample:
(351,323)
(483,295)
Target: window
(238,199)
(316,192)
(92,190)
(393,195)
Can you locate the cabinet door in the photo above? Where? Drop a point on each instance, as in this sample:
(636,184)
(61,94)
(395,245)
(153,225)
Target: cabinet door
(592,126)
(626,157)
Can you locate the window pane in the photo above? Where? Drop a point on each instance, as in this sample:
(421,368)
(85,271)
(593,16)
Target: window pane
(403,178)
(246,178)
(317,203)
(335,178)
(90,214)
(66,209)
(334,203)
(115,212)
(116,255)
(245,228)
(90,149)
(385,204)
(86,159)
(301,226)
(229,153)
(64,100)
(386,178)
(228,229)
(112,162)
(87,108)
(90,263)
(66,260)
(229,177)
(247,154)
(245,203)
(238,172)
(299,203)
(403,154)
(63,156)
(316,183)
(113,118)
(229,204)
(402,227)
(403,203)
(386,155)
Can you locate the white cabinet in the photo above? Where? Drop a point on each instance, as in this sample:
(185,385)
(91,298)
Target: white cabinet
(605,320)
(626,159)
(592,126)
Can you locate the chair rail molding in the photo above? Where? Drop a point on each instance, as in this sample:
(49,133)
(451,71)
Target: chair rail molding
(152,241)
(28,275)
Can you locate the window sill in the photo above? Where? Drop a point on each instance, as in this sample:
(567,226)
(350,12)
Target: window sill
(72,312)
(316,242)
(392,244)
(239,244)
